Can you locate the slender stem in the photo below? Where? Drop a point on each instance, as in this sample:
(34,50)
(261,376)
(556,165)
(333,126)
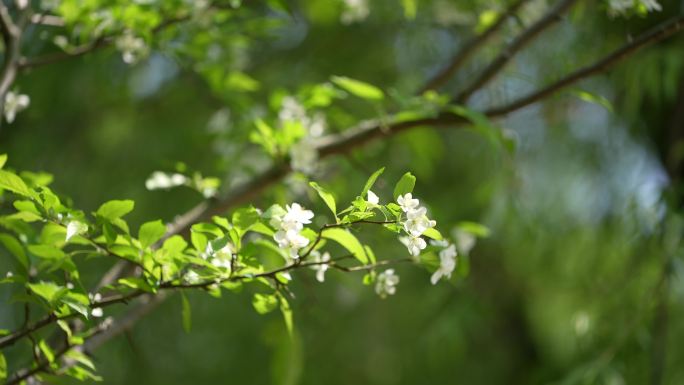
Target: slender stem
(520,42)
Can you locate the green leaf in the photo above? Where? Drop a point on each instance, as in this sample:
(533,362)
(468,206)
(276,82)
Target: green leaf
(264,303)
(3,160)
(47,351)
(474,228)
(433,233)
(410,8)
(348,241)
(115,209)
(405,185)
(286,310)
(46,251)
(186,313)
(244,219)
(594,99)
(50,291)
(15,248)
(327,197)
(3,362)
(151,232)
(358,88)
(12,182)
(370,182)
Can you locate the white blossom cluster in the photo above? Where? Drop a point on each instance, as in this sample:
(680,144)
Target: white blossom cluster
(15,103)
(447,261)
(415,224)
(386,282)
(289,227)
(303,154)
(621,7)
(162,180)
(354,11)
(96,312)
(133,48)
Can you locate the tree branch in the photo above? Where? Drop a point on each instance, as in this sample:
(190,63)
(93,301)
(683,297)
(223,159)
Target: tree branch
(525,38)
(368,131)
(469,48)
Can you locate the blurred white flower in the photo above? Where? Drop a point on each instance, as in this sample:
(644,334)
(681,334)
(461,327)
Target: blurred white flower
(191,277)
(75,228)
(415,245)
(162,180)
(322,264)
(622,7)
(465,241)
(354,11)
(447,264)
(386,283)
(304,156)
(15,103)
(291,240)
(132,48)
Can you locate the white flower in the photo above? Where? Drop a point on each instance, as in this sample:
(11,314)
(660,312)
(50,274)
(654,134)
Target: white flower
(161,180)
(75,228)
(415,245)
(621,7)
(316,126)
(97,312)
(97,297)
(651,5)
(296,217)
(321,264)
(132,48)
(304,156)
(15,103)
(354,11)
(417,222)
(372,198)
(291,240)
(407,202)
(191,277)
(447,264)
(9,274)
(291,110)
(465,241)
(386,283)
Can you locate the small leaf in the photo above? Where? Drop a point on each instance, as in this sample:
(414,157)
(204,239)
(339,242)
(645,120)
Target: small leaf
(244,219)
(12,182)
(433,233)
(370,182)
(264,303)
(286,310)
(150,233)
(50,291)
(47,351)
(15,248)
(186,313)
(474,228)
(327,197)
(348,241)
(115,209)
(3,364)
(46,251)
(405,185)
(358,88)
(410,8)
(3,160)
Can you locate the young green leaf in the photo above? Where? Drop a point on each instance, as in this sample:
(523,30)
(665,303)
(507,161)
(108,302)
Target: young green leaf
(115,209)
(3,367)
(264,303)
(3,160)
(405,185)
(348,241)
(358,88)
(47,351)
(327,197)
(370,182)
(150,233)
(15,248)
(286,310)
(50,291)
(244,219)
(12,182)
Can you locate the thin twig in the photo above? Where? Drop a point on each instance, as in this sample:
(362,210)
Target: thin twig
(469,48)
(520,42)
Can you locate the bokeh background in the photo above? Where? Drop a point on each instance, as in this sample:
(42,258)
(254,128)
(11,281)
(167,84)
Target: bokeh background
(580,282)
